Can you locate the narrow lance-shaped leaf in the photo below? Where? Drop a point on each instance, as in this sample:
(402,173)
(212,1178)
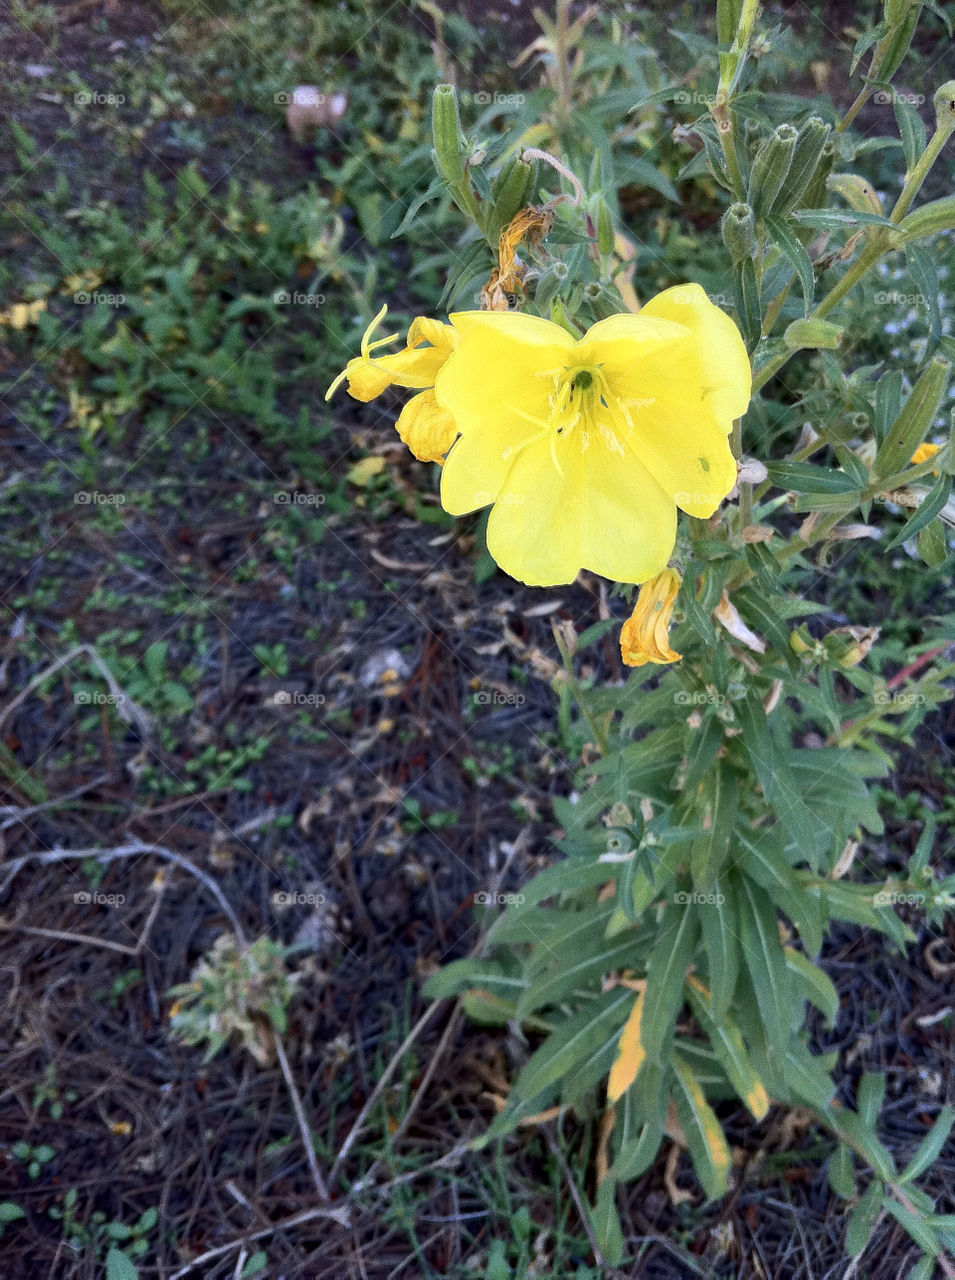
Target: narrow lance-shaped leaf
(630,1055)
(722,946)
(666,974)
(727,1041)
(704,1134)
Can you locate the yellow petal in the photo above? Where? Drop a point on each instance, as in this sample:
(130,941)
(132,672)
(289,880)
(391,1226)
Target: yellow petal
(630,1055)
(719,348)
(493,386)
(601,511)
(514,325)
(426,429)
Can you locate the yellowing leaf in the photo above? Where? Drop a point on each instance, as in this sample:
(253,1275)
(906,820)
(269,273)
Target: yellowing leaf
(630,1055)
(362,473)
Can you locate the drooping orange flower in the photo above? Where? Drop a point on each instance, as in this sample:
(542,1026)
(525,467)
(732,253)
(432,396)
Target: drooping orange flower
(645,635)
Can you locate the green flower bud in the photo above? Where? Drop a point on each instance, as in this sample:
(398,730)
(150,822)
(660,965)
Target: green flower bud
(895,10)
(812,334)
(510,191)
(449,142)
(915,421)
(739,231)
(770,167)
(600,301)
(808,152)
(605,231)
(897,45)
(945,106)
(548,286)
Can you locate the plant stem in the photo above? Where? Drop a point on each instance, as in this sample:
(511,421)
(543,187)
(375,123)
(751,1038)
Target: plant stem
(920,172)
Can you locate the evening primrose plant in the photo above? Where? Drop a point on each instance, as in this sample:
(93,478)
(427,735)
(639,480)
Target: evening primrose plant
(728,784)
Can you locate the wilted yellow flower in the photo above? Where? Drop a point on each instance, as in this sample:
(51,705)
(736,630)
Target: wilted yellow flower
(645,635)
(426,429)
(924,453)
(586,447)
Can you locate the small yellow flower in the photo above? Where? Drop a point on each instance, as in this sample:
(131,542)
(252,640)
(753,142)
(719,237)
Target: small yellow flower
(645,635)
(425,428)
(586,447)
(924,453)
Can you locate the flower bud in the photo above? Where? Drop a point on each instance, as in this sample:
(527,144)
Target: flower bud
(449,143)
(511,190)
(897,44)
(807,154)
(770,167)
(739,231)
(895,10)
(945,106)
(605,231)
(601,303)
(915,421)
(812,333)
(548,286)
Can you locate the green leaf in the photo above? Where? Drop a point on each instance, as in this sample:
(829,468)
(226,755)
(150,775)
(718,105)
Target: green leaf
(746,292)
(434,190)
(636,1139)
(666,975)
(870,1096)
(863,1219)
(728,1046)
(10,1212)
(807,477)
(704,1134)
(120,1267)
(708,853)
(933,544)
(637,171)
(572,966)
(606,1222)
(817,985)
(579,1038)
(849,1124)
(765,960)
(917,1227)
(911,129)
(924,275)
(460,975)
(931,1145)
(796,256)
(841,1174)
(834,219)
(923,1270)
(806,1076)
(722,946)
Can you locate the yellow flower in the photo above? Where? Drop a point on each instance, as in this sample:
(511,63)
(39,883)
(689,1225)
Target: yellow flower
(586,447)
(426,429)
(924,453)
(645,635)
